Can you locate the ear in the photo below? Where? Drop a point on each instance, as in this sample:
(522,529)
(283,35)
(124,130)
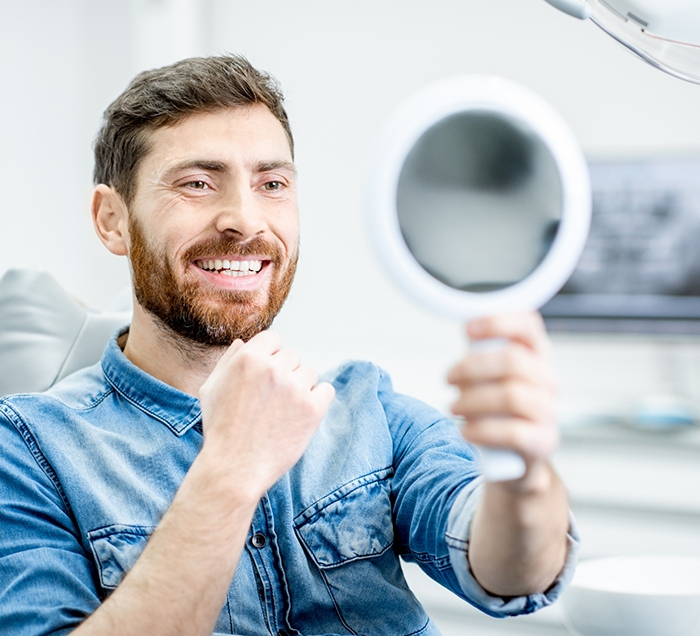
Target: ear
(111,219)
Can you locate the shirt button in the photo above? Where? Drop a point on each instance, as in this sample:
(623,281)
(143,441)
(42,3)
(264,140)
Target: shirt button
(258,540)
(281,632)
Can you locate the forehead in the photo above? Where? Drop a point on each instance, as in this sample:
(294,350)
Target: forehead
(250,132)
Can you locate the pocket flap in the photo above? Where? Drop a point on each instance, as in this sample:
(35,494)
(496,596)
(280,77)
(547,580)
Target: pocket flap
(116,549)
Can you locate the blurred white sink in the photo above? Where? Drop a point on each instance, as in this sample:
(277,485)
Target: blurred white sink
(634,596)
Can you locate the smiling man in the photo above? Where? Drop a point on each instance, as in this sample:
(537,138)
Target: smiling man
(200,478)
(211,232)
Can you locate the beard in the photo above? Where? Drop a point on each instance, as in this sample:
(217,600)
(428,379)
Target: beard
(210,317)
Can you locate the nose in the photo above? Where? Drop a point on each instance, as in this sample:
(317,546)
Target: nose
(241,213)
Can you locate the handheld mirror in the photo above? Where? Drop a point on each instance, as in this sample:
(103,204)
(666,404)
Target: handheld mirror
(479,204)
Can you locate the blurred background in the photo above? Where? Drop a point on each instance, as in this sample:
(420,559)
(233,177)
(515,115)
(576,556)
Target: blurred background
(625,336)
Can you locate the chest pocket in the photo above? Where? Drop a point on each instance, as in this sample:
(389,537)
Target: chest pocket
(349,536)
(116,550)
(330,530)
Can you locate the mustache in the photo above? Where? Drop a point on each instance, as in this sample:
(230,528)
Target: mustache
(255,246)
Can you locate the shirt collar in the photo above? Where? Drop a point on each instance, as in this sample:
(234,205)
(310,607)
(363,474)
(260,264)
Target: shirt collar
(177,410)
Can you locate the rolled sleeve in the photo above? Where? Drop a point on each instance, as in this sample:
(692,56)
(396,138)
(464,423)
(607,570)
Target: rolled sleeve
(457,534)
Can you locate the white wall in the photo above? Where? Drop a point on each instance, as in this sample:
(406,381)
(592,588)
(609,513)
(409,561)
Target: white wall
(344,67)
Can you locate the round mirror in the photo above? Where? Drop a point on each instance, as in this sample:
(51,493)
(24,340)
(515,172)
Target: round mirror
(480,204)
(480,198)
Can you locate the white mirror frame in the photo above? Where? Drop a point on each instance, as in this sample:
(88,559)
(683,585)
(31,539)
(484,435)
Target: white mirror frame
(514,102)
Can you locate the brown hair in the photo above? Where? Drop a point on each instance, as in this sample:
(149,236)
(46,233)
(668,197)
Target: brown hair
(164,96)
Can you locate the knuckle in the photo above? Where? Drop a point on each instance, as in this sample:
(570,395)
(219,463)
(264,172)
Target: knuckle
(204,391)
(311,375)
(317,411)
(247,358)
(512,360)
(455,373)
(466,405)
(516,437)
(272,336)
(545,407)
(513,395)
(276,375)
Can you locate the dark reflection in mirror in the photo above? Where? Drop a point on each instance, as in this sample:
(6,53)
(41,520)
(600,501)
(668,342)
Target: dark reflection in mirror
(479,201)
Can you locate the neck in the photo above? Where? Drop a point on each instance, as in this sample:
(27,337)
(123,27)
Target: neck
(167,356)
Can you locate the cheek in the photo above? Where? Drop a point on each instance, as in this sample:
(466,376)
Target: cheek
(293,236)
(288,233)
(177,236)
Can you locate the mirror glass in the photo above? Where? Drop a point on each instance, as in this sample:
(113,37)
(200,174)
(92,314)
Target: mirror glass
(479,200)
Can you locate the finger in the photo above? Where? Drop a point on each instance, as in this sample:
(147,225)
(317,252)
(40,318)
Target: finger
(265,342)
(323,394)
(306,377)
(515,361)
(526,328)
(249,354)
(234,347)
(512,398)
(532,442)
(287,360)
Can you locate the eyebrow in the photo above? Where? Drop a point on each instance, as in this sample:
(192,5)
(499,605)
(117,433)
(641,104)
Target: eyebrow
(223,167)
(200,164)
(269,166)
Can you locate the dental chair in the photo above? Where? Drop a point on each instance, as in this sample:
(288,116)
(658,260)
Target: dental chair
(45,334)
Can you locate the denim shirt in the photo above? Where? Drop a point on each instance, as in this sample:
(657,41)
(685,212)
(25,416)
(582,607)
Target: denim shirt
(88,469)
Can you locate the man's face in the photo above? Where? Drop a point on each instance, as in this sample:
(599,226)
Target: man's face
(213,227)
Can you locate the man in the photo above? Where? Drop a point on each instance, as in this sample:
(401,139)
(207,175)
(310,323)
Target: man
(200,466)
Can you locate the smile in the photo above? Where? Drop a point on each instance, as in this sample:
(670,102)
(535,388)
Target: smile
(230,268)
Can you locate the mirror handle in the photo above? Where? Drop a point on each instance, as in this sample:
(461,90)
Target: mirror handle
(501,465)
(498,464)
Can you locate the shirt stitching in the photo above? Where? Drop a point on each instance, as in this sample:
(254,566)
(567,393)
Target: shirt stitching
(33,447)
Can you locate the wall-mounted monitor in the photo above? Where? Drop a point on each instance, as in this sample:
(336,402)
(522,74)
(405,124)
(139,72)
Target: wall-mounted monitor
(640,270)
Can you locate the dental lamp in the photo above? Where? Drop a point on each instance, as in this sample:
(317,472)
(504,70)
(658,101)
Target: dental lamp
(664,33)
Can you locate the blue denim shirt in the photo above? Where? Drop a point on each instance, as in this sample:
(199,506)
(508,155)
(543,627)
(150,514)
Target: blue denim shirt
(88,468)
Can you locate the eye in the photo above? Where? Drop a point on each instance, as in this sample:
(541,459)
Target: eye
(271,186)
(197,185)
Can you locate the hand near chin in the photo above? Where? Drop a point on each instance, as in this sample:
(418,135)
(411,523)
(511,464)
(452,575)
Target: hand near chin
(508,396)
(260,409)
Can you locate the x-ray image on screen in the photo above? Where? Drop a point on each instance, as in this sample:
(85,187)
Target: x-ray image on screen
(640,270)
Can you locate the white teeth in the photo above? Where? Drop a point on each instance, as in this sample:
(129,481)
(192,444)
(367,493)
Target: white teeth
(231,268)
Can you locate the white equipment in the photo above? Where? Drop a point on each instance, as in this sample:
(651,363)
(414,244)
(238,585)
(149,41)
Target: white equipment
(664,33)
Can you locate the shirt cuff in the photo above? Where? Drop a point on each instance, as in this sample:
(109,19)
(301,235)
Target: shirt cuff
(456,537)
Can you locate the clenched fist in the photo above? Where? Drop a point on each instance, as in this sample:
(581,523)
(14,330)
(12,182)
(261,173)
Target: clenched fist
(260,409)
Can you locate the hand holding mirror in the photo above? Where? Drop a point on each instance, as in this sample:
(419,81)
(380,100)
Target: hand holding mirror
(479,205)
